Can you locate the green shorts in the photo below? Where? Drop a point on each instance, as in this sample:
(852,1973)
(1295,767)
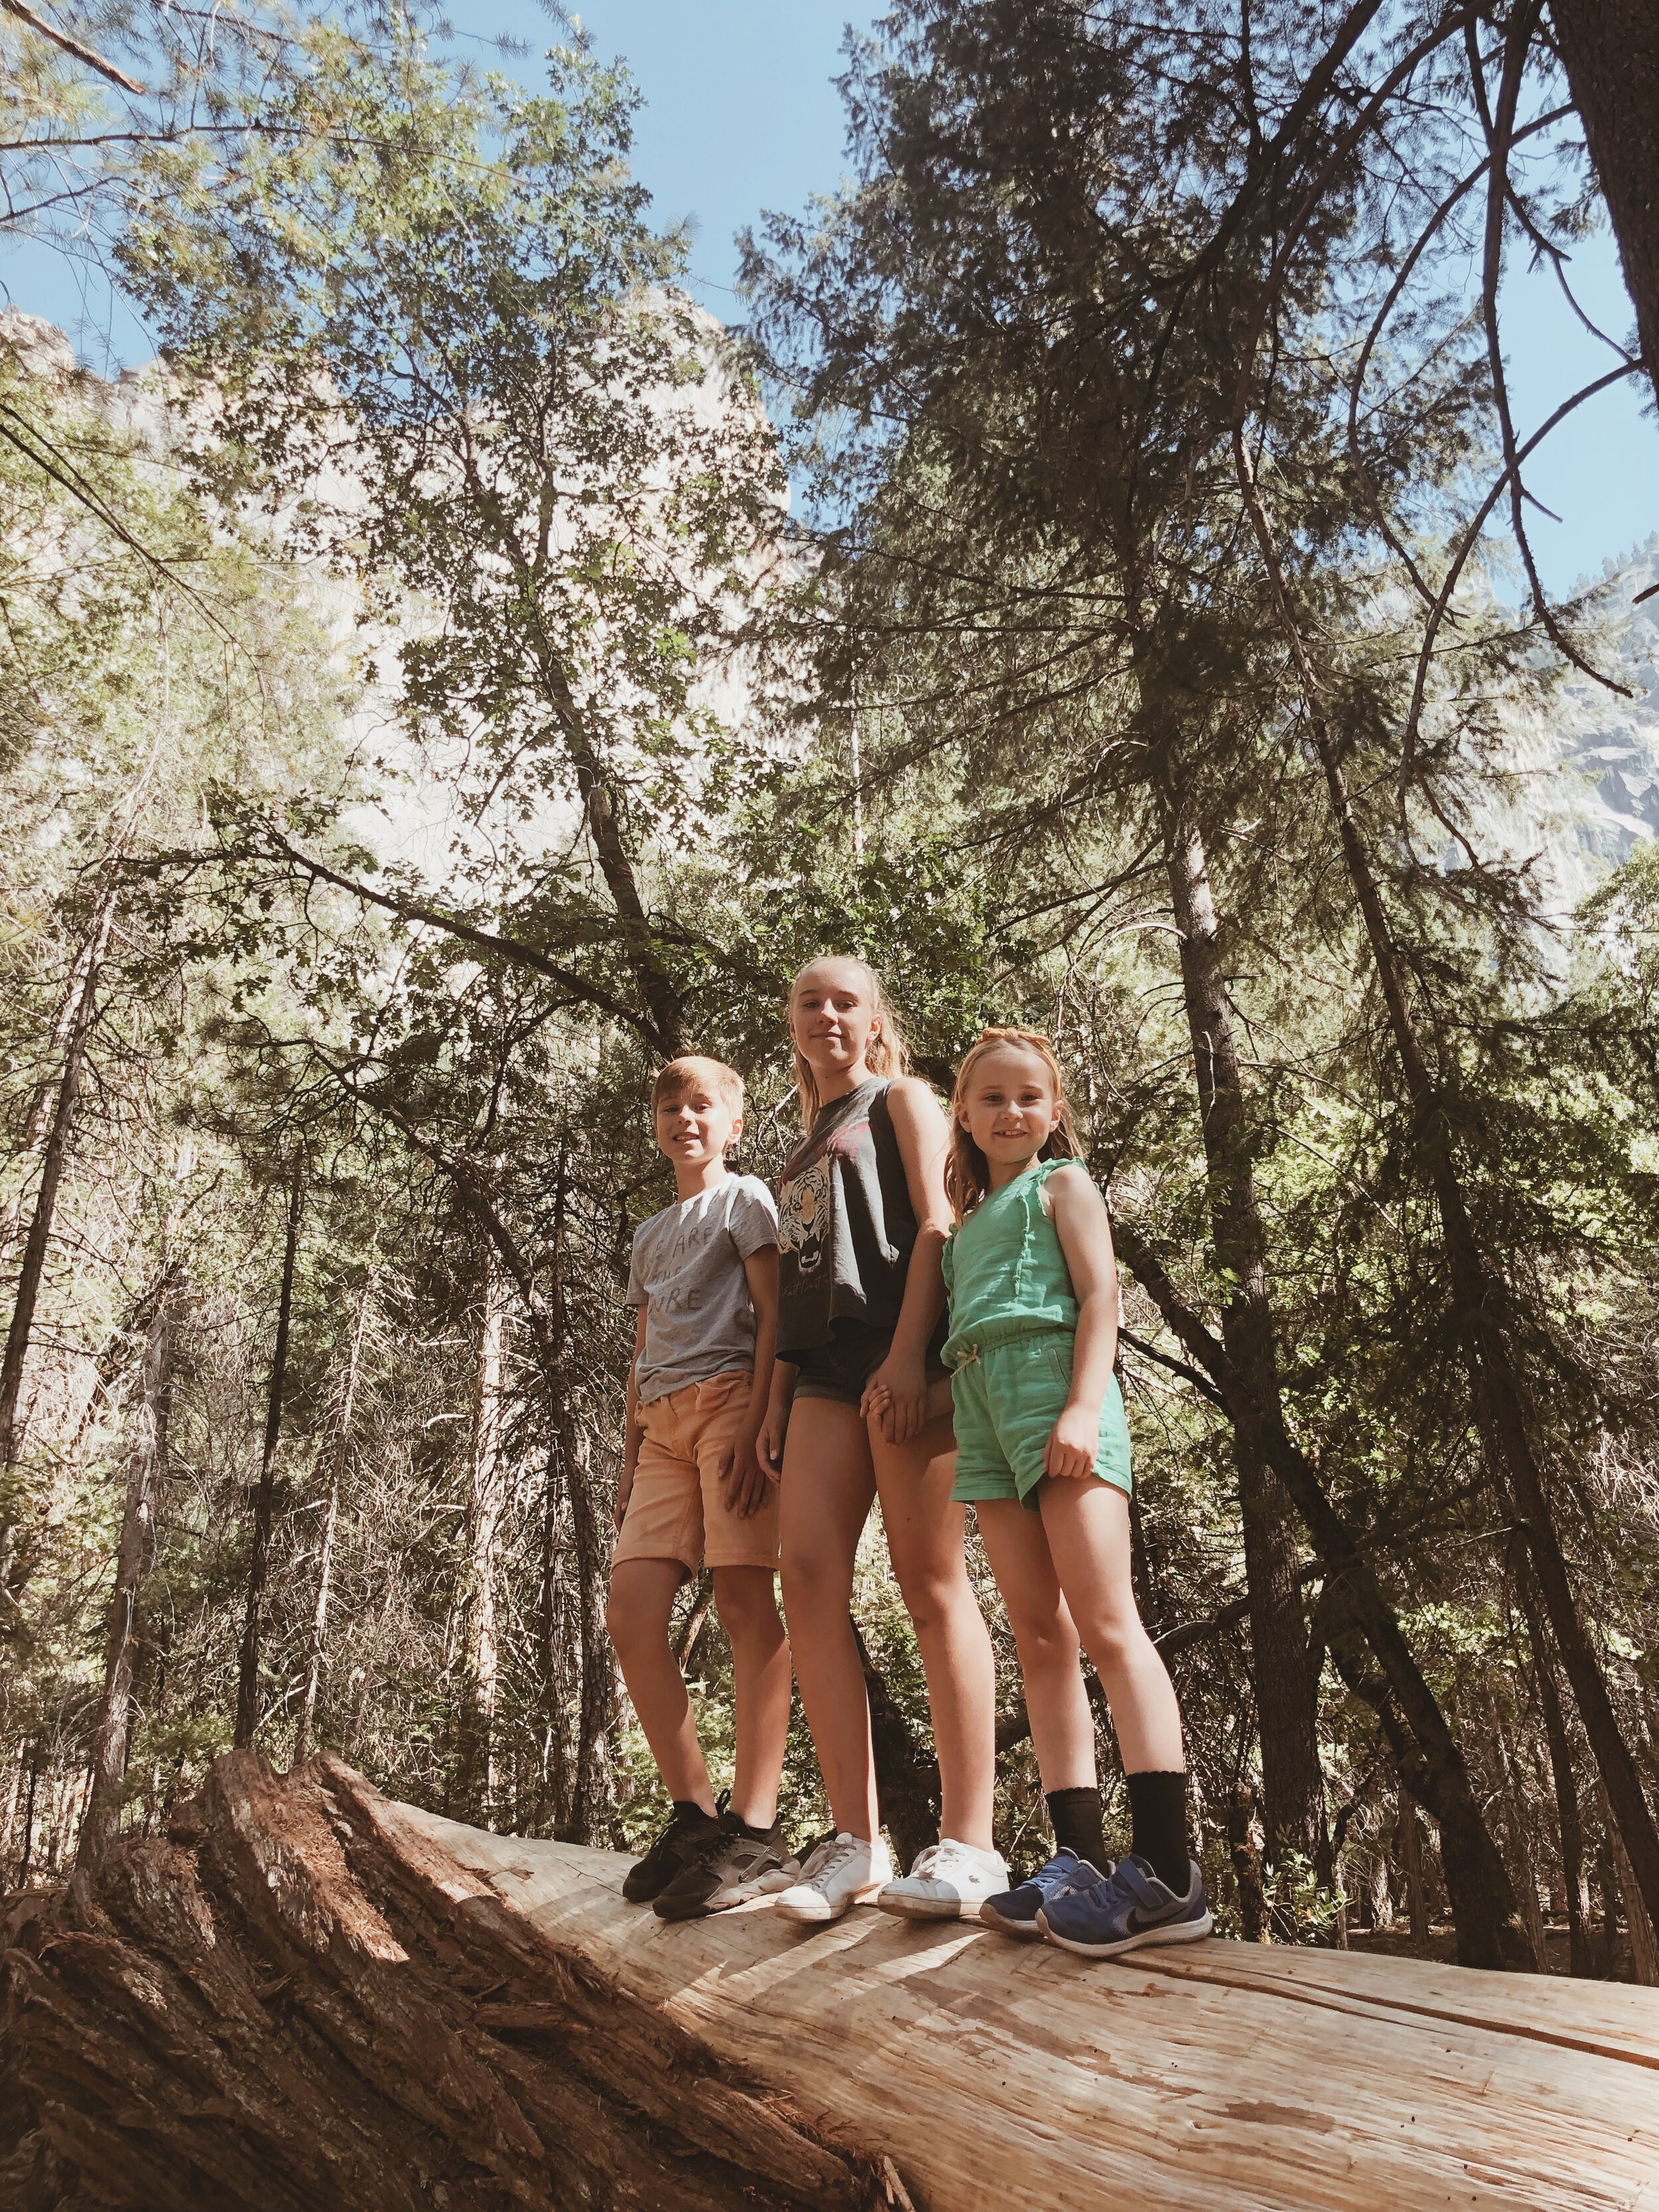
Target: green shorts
(1007,1401)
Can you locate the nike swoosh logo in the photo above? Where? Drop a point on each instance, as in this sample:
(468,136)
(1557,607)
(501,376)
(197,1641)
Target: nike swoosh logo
(1139,1922)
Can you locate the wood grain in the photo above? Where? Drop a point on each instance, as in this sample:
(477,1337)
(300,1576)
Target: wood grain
(1221,2076)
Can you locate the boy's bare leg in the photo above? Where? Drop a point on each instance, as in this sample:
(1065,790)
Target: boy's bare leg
(762,1682)
(1062,1725)
(641,1603)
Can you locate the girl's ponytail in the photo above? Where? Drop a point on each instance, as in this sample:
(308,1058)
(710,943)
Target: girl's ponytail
(966,1171)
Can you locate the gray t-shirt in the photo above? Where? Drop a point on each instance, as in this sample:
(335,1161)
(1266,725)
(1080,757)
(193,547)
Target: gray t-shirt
(686,1272)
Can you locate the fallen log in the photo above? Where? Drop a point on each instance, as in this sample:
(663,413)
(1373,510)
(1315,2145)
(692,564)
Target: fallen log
(312,1996)
(302,2000)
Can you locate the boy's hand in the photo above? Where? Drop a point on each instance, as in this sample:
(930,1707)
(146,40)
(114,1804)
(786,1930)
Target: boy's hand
(741,1477)
(1073,1442)
(895,1397)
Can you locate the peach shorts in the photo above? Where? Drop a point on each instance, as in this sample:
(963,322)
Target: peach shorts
(677,1508)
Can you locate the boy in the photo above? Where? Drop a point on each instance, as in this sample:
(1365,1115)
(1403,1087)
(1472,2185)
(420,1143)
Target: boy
(704,1277)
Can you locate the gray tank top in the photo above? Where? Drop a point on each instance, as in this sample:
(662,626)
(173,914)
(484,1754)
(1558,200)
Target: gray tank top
(846,1226)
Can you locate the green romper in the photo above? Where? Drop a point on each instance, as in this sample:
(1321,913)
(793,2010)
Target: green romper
(1013,1330)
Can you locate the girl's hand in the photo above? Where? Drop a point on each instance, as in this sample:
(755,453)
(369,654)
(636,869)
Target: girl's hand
(896,1397)
(769,1441)
(1073,1442)
(624,1492)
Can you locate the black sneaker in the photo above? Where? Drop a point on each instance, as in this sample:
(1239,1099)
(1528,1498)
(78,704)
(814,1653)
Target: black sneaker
(728,1869)
(685,1831)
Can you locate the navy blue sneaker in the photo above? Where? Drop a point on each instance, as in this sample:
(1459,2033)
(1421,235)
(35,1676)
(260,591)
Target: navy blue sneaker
(1127,1909)
(1015,1912)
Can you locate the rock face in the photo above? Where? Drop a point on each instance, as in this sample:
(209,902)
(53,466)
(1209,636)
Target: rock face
(312,1997)
(1612,742)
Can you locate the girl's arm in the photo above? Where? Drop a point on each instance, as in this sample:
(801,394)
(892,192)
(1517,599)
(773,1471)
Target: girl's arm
(769,1444)
(897,1391)
(744,1473)
(1085,1228)
(631,1430)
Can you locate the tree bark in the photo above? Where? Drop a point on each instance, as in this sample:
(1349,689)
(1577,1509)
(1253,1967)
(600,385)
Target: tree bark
(1479,1296)
(1569,1821)
(1611,51)
(259,1571)
(297,2001)
(1370,1653)
(907,1777)
(1411,1859)
(486,1501)
(590,1791)
(1286,1691)
(1643,1950)
(146,1448)
(339,1459)
(45,1203)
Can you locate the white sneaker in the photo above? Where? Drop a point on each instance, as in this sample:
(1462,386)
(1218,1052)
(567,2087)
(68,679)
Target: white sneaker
(842,1871)
(949,1881)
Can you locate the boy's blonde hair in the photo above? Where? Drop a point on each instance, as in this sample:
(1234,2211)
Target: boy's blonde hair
(966,1171)
(887,1054)
(693,1070)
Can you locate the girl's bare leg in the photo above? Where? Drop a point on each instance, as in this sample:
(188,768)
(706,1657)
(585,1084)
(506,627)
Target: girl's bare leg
(637,1616)
(1062,1725)
(760,1682)
(1087,1525)
(925,1541)
(828,1488)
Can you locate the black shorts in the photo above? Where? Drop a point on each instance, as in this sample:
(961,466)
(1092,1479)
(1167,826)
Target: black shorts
(840,1369)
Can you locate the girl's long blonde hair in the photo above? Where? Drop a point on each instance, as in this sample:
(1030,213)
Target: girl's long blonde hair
(966,1171)
(887,1054)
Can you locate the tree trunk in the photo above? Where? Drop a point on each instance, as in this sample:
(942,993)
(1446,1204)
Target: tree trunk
(1410,1861)
(907,1777)
(46,1202)
(1526,1872)
(259,1571)
(1244,1850)
(146,1450)
(339,1459)
(299,2002)
(1285,1691)
(1478,1296)
(1611,50)
(1643,1950)
(485,1503)
(1569,1822)
(554,1806)
(591,1793)
(1370,1653)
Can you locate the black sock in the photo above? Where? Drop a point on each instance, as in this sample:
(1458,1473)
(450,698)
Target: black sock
(1157,1824)
(1074,1815)
(687,1809)
(760,1835)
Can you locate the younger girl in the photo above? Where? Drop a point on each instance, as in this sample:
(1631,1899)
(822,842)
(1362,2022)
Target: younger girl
(1042,1452)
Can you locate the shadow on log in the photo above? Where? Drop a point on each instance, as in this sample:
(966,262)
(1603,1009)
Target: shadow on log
(298,2002)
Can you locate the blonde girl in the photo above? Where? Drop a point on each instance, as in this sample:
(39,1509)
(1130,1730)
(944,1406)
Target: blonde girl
(1042,1453)
(862,1222)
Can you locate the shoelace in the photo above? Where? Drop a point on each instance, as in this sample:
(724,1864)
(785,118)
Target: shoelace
(943,1858)
(825,1857)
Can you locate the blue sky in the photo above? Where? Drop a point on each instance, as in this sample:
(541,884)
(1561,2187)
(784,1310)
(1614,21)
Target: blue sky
(741,114)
